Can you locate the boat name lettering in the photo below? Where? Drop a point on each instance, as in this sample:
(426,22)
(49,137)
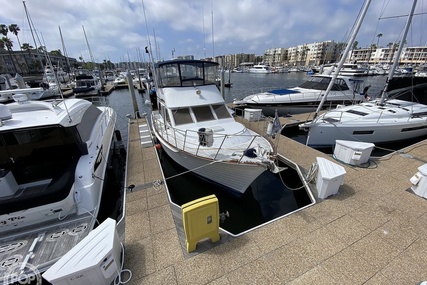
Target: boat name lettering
(12,220)
(76,277)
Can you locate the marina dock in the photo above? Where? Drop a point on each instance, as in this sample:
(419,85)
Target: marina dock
(373,231)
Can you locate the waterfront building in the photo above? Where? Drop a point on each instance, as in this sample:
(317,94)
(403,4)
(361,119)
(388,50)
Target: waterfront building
(410,55)
(31,61)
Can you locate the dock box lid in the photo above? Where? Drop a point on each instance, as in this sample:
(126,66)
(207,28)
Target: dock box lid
(423,169)
(329,169)
(355,144)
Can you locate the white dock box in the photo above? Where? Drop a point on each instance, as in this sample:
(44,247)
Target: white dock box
(252,115)
(94,260)
(419,181)
(353,152)
(329,177)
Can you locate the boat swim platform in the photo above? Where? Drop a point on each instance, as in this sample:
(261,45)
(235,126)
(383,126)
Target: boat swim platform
(373,231)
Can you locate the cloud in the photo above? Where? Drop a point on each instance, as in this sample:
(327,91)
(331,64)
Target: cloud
(117,27)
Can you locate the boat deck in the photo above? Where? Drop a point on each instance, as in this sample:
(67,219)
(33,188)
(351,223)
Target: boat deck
(372,232)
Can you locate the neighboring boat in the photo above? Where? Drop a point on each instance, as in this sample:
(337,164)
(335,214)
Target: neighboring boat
(196,129)
(121,80)
(109,75)
(306,97)
(50,72)
(86,84)
(347,69)
(55,160)
(14,86)
(353,69)
(237,70)
(391,118)
(259,68)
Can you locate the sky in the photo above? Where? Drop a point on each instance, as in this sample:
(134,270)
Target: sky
(119,30)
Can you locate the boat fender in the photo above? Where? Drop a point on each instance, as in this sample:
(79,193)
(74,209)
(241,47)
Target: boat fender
(250,152)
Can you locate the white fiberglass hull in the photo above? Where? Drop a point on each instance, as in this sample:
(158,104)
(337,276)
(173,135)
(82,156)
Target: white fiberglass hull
(284,109)
(325,134)
(237,177)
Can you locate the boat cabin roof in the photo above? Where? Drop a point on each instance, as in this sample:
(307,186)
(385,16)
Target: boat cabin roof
(43,113)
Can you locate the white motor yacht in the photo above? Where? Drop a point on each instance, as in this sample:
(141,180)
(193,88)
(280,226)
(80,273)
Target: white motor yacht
(55,159)
(196,129)
(306,97)
(260,68)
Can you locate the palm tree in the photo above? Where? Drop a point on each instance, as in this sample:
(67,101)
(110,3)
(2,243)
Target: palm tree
(355,44)
(14,29)
(3,29)
(9,44)
(378,41)
(27,47)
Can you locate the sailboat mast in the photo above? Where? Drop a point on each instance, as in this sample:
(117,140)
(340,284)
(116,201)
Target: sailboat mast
(88,46)
(399,51)
(213,39)
(344,56)
(31,30)
(65,50)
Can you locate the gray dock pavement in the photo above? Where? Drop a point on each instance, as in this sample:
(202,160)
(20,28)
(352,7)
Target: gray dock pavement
(374,231)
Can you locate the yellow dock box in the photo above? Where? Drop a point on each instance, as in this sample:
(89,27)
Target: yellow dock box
(201,220)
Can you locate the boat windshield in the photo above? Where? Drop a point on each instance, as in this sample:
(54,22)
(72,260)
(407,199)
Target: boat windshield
(38,153)
(187,73)
(321,83)
(201,113)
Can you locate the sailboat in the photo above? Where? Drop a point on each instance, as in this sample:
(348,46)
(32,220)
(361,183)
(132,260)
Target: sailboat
(391,118)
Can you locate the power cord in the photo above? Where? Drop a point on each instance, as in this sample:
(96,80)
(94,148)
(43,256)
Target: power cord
(309,177)
(118,280)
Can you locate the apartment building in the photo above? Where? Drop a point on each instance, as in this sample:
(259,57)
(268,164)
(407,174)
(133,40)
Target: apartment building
(33,61)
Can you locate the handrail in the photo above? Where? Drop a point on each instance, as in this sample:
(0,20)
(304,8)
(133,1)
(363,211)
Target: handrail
(248,147)
(220,146)
(175,140)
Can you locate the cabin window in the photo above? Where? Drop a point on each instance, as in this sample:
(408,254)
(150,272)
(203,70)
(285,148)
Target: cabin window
(164,113)
(221,111)
(316,83)
(357,112)
(339,85)
(169,75)
(182,116)
(187,73)
(38,153)
(211,73)
(203,113)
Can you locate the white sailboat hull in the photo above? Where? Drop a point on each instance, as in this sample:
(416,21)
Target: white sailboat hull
(383,124)
(324,136)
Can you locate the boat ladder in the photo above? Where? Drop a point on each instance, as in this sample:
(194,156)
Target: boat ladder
(145,136)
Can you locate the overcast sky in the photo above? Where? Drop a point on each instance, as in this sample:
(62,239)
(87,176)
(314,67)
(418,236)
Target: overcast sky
(118,30)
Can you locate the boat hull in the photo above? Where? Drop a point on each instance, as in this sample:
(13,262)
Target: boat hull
(325,135)
(293,108)
(234,176)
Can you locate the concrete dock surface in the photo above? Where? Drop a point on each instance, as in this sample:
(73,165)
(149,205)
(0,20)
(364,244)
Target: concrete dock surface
(373,231)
